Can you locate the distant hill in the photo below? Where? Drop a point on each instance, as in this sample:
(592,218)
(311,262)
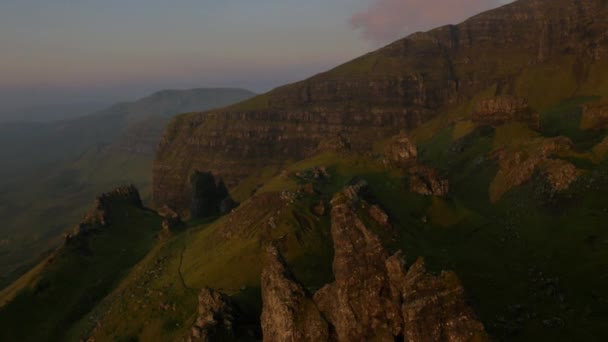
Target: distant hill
(51,169)
(51,112)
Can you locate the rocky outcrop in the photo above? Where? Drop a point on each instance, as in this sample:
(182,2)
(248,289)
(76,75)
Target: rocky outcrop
(215,318)
(98,215)
(400,152)
(380,94)
(517,164)
(379,215)
(374,296)
(210,196)
(433,307)
(504,109)
(594,116)
(424,180)
(359,304)
(289,314)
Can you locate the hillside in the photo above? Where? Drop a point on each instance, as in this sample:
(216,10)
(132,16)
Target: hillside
(450,186)
(52,171)
(540,50)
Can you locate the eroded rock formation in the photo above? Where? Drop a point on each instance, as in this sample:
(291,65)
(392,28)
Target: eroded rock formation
(517,165)
(374,296)
(289,314)
(400,152)
(424,180)
(594,116)
(215,318)
(504,109)
(98,215)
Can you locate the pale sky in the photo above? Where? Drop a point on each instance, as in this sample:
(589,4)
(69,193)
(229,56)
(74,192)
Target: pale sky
(60,51)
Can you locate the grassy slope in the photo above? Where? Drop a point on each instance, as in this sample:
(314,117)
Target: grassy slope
(59,199)
(78,277)
(55,170)
(531,263)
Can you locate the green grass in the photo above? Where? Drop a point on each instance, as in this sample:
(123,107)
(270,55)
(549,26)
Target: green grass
(37,214)
(79,276)
(564,119)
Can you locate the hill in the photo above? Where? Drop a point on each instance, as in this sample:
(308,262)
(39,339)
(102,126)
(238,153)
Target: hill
(540,50)
(450,186)
(52,171)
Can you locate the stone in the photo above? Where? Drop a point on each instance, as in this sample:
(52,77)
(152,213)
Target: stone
(379,215)
(424,180)
(215,318)
(594,116)
(400,152)
(289,314)
(375,296)
(517,165)
(503,109)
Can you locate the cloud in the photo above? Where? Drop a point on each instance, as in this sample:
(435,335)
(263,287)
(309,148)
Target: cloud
(387,20)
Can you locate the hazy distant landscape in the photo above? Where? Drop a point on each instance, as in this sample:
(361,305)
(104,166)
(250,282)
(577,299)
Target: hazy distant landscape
(53,170)
(400,171)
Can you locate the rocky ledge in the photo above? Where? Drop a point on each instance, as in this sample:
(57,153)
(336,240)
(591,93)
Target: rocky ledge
(401,153)
(504,109)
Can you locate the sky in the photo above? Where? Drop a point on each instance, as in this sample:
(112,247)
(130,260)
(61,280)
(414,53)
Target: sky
(69,51)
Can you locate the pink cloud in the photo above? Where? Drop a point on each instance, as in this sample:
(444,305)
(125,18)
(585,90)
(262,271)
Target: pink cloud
(387,20)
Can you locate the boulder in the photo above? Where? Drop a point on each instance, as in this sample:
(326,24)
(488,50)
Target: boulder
(215,318)
(400,152)
(424,180)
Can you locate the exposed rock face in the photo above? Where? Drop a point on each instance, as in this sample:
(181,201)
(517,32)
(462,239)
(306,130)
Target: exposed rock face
(503,109)
(518,164)
(594,116)
(393,89)
(98,214)
(359,303)
(374,296)
(560,173)
(433,307)
(379,215)
(425,181)
(215,317)
(289,315)
(400,152)
(209,195)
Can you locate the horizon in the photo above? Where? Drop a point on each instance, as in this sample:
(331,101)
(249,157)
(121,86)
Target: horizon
(66,53)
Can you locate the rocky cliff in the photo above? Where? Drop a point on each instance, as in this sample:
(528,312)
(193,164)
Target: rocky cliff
(395,88)
(98,215)
(374,296)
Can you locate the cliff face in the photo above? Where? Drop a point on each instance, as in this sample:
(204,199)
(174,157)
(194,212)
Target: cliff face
(395,88)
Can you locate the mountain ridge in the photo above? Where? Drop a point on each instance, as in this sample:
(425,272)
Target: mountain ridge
(398,87)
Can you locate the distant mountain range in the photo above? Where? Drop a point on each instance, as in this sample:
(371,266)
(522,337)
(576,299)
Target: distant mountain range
(50,113)
(50,170)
